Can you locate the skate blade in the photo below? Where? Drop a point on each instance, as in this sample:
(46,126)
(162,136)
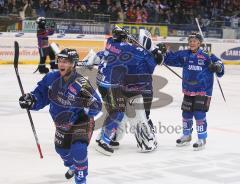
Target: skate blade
(115,147)
(199,148)
(147,151)
(183,144)
(103,151)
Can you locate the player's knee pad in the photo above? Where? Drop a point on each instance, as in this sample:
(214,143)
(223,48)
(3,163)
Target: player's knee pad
(201,122)
(111,124)
(187,122)
(66,156)
(79,152)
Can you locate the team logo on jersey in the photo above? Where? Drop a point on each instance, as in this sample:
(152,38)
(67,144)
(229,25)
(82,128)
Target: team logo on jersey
(201,62)
(199,56)
(113,49)
(72,89)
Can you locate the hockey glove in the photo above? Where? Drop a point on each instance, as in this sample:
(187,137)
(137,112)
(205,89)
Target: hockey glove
(162,47)
(215,67)
(26,101)
(158,56)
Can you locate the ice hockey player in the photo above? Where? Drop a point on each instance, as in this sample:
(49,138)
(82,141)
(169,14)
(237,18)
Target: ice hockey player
(73,105)
(144,41)
(43,46)
(197,86)
(123,77)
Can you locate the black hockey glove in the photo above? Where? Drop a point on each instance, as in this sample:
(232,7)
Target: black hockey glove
(26,101)
(162,47)
(215,67)
(158,56)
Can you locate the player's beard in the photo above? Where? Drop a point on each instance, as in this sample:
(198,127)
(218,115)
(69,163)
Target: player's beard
(67,74)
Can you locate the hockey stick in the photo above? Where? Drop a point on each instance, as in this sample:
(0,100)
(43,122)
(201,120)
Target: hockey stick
(131,37)
(205,44)
(82,65)
(16,56)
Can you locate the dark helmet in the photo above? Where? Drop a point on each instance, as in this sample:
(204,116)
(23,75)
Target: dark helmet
(41,21)
(195,35)
(70,54)
(119,34)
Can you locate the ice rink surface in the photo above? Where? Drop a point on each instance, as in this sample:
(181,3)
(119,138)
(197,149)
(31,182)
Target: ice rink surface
(219,163)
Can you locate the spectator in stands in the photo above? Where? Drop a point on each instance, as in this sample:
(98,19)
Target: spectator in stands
(2,6)
(40,10)
(215,12)
(131,14)
(120,15)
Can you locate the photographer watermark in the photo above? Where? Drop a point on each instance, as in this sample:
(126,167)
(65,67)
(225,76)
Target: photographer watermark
(158,128)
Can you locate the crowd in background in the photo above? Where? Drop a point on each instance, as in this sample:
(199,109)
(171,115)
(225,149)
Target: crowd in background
(134,11)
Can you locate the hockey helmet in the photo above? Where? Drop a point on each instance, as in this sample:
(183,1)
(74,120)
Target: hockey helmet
(145,39)
(119,34)
(196,35)
(41,21)
(70,54)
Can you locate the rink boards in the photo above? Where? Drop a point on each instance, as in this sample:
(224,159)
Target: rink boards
(227,50)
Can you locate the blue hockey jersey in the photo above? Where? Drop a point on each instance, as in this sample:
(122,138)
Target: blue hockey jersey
(67,100)
(125,64)
(195,69)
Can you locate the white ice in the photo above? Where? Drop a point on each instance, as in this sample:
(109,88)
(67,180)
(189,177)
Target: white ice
(219,163)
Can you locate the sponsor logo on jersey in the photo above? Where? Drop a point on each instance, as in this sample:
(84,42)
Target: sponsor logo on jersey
(194,67)
(72,89)
(231,54)
(201,62)
(199,56)
(71,97)
(113,49)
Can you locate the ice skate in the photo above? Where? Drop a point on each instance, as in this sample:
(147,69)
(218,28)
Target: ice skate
(113,144)
(43,69)
(199,145)
(70,173)
(104,148)
(184,140)
(53,66)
